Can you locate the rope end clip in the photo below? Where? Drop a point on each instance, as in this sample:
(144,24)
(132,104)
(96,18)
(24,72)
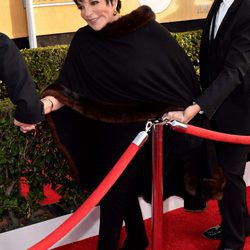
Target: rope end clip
(177,124)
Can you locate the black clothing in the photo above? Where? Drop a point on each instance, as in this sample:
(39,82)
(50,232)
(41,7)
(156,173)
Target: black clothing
(233,206)
(226,66)
(112,81)
(131,76)
(21,89)
(115,79)
(225,77)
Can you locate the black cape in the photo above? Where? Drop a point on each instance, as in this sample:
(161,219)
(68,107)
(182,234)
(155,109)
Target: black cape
(111,83)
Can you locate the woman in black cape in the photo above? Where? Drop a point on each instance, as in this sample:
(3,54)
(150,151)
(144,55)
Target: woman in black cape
(120,71)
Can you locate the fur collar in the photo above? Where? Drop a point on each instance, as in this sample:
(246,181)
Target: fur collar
(107,112)
(129,23)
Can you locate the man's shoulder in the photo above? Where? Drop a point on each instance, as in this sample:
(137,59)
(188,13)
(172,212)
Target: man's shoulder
(243,12)
(4,40)
(245,5)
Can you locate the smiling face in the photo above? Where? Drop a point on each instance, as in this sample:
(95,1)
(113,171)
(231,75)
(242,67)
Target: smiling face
(98,13)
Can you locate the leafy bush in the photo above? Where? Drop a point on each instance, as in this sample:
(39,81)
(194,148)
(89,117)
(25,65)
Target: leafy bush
(36,158)
(190,42)
(45,64)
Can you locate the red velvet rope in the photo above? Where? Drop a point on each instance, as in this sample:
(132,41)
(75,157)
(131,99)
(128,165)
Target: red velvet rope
(115,173)
(92,201)
(212,135)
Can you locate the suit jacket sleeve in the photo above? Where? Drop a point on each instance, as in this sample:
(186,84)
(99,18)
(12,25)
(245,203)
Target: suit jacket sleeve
(20,86)
(236,66)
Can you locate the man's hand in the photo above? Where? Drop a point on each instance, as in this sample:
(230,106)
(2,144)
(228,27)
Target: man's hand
(24,127)
(183,116)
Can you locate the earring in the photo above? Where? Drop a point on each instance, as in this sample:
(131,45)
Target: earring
(115,13)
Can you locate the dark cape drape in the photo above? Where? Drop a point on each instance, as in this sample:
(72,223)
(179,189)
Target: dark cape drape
(111,83)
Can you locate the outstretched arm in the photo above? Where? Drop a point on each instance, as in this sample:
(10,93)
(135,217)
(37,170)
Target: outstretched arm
(20,86)
(184,116)
(50,104)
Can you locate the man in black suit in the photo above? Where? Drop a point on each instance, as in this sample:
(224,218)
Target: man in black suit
(21,89)
(225,79)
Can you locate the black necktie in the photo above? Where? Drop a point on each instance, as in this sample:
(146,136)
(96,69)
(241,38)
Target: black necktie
(216,8)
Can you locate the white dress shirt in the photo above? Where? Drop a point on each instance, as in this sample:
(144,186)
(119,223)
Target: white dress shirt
(224,6)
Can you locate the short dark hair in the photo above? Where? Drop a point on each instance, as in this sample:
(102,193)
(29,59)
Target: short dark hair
(118,8)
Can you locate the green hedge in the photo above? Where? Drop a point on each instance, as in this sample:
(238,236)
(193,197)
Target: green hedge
(37,157)
(190,42)
(44,65)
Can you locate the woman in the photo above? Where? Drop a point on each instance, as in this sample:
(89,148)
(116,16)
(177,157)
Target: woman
(119,72)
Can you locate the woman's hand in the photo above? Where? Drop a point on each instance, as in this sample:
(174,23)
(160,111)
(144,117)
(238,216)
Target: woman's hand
(51,104)
(183,116)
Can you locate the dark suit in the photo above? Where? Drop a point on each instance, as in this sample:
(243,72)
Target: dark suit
(21,89)
(225,79)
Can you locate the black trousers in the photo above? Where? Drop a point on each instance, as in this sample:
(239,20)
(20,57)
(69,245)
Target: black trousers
(121,204)
(233,208)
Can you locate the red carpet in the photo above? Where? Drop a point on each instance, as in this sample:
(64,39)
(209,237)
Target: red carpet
(182,230)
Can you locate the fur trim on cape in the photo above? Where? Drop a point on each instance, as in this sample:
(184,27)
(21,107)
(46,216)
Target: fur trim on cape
(108,112)
(129,23)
